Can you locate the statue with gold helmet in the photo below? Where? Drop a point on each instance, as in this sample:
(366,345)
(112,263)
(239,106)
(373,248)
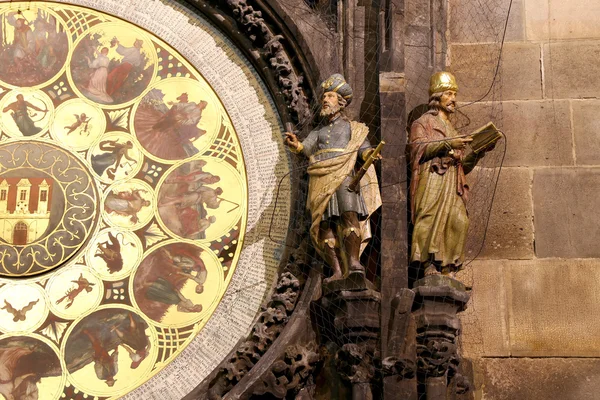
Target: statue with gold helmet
(340,216)
(440,158)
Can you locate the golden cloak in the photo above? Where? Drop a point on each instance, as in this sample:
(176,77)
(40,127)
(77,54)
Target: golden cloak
(438,194)
(327,175)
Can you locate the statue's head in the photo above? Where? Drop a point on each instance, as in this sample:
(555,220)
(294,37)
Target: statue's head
(20,97)
(337,94)
(442,92)
(138,43)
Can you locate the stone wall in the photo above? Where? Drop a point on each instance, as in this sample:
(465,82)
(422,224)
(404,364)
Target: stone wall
(530,328)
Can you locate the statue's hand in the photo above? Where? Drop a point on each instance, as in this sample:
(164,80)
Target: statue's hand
(368,154)
(460,143)
(292,140)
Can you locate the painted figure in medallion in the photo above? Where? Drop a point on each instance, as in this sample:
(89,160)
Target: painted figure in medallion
(96,87)
(19,110)
(81,121)
(24,362)
(110,252)
(126,203)
(97,338)
(19,314)
(132,57)
(333,149)
(37,51)
(167,130)
(110,73)
(82,285)
(161,278)
(185,198)
(439,161)
(110,159)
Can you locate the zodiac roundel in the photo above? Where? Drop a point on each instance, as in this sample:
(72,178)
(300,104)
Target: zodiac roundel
(35,46)
(123,198)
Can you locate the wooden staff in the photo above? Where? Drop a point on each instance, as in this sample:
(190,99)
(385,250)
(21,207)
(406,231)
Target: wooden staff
(354,184)
(229,201)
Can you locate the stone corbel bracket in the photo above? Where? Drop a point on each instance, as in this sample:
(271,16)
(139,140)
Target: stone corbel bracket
(438,299)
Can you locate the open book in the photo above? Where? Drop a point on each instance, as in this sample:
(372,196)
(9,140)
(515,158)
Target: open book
(484,137)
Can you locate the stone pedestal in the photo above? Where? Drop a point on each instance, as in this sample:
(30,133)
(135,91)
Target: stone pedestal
(354,309)
(438,299)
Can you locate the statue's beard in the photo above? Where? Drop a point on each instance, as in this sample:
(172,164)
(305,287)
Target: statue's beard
(330,110)
(448,109)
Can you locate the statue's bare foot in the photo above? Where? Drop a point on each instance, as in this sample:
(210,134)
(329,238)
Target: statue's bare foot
(334,277)
(431,270)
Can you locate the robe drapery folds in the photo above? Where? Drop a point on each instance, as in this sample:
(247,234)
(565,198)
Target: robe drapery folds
(327,175)
(438,194)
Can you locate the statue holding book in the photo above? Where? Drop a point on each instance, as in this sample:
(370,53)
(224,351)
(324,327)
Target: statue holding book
(440,159)
(341,196)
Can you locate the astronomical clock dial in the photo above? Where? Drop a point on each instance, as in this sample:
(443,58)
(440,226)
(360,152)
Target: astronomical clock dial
(143,199)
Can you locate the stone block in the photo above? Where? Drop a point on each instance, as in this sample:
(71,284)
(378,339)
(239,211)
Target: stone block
(416,13)
(554,308)
(417,76)
(586,128)
(509,232)
(471,23)
(519,76)
(566,212)
(574,19)
(537,379)
(532,308)
(538,132)
(485,321)
(571,69)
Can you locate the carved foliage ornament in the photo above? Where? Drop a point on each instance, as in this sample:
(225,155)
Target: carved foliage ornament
(270,323)
(271,48)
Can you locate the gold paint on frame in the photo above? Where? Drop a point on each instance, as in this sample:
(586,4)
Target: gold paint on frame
(123,201)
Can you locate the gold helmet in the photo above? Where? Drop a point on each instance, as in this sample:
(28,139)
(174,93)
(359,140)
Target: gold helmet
(442,81)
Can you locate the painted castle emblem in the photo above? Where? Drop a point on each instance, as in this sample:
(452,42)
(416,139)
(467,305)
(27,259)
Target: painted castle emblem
(24,208)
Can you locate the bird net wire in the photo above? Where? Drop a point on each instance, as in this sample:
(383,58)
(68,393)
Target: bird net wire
(477,32)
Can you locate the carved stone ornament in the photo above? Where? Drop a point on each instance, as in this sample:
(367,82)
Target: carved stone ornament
(403,367)
(268,327)
(290,374)
(355,362)
(270,47)
(436,353)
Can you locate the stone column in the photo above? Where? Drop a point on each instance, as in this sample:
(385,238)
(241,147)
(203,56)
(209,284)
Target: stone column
(438,300)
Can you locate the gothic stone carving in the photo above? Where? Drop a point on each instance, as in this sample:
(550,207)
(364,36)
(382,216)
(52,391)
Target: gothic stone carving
(290,374)
(272,49)
(356,362)
(270,324)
